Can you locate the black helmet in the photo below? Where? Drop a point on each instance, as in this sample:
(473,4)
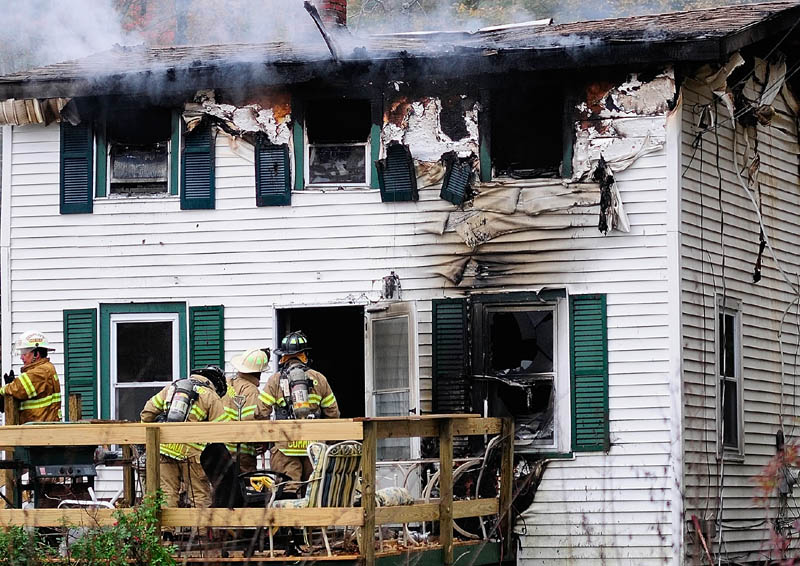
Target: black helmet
(293,343)
(216,376)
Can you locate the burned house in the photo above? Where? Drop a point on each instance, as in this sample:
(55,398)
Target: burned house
(591,227)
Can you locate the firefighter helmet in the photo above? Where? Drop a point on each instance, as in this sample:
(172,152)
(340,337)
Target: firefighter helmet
(293,343)
(216,376)
(254,360)
(30,340)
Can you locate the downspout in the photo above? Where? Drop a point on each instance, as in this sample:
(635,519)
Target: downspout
(5,250)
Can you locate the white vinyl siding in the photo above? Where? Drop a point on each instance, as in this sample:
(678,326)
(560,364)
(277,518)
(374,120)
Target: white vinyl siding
(332,248)
(762,306)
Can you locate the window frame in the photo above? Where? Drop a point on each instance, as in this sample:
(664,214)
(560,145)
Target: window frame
(107,310)
(725,306)
(562,400)
(117,318)
(300,145)
(102,161)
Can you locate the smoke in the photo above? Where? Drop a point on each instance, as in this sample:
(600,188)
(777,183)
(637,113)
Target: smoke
(39,32)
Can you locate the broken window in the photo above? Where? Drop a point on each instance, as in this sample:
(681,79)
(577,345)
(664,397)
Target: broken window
(527,131)
(338,149)
(516,356)
(138,151)
(729,371)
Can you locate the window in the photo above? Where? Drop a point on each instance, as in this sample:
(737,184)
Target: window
(338,142)
(517,357)
(391,384)
(730,375)
(143,347)
(138,144)
(144,358)
(526,131)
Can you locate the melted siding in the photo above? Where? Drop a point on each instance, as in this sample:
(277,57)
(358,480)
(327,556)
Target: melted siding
(745,535)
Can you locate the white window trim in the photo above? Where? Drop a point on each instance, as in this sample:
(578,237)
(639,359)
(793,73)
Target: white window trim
(117,318)
(727,305)
(396,310)
(307,164)
(562,400)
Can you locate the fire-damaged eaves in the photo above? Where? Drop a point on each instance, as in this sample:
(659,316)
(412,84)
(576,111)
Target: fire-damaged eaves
(701,35)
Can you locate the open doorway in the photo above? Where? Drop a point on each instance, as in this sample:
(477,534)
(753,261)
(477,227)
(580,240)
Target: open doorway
(336,335)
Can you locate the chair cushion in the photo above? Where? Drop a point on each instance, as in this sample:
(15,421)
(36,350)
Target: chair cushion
(290,503)
(393,496)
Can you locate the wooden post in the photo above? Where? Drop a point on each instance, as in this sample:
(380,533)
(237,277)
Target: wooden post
(153,471)
(369,457)
(446,490)
(128,476)
(74,407)
(507,483)
(11,407)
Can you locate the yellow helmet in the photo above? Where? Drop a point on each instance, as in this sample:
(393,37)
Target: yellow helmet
(254,360)
(30,340)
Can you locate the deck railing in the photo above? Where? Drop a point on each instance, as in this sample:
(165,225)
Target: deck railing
(368,431)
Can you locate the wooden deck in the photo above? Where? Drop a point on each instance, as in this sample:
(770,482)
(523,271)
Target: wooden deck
(367,518)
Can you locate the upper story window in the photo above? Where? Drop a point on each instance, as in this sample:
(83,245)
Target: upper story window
(338,142)
(138,151)
(527,132)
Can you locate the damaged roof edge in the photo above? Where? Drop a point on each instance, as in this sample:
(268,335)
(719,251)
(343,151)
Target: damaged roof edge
(185,81)
(780,22)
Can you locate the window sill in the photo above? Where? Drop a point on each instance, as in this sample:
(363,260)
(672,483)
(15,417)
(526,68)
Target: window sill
(335,189)
(546,454)
(127,198)
(735,457)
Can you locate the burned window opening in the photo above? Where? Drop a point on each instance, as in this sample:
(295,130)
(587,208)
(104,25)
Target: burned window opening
(338,133)
(516,358)
(452,114)
(138,150)
(526,132)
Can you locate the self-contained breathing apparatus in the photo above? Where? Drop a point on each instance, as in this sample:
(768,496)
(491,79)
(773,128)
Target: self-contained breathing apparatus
(295,386)
(185,392)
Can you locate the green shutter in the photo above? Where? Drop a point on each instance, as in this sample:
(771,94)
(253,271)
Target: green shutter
(456,181)
(207,336)
(197,170)
(397,176)
(589,369)
(76,168)
(450,357)
(273,174)
(80,359)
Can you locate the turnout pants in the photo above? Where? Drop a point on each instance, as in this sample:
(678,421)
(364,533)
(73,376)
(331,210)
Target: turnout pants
(296,467)
(191,474)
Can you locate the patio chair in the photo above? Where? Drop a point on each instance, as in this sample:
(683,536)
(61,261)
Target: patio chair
(333,482)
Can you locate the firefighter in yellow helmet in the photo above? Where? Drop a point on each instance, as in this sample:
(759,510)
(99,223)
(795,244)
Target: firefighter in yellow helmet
(295,391)
(196,399)
(37,387)
(241,400)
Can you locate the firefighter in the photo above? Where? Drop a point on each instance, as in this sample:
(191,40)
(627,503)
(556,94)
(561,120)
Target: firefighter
(195,399)
(241,400)
(295,392)
(37,387)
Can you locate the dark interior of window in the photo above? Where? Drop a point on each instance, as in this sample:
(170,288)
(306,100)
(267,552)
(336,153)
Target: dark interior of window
(526,131)
(144,355)
(138,141)
(729,392)
(517,357)
(338,121)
